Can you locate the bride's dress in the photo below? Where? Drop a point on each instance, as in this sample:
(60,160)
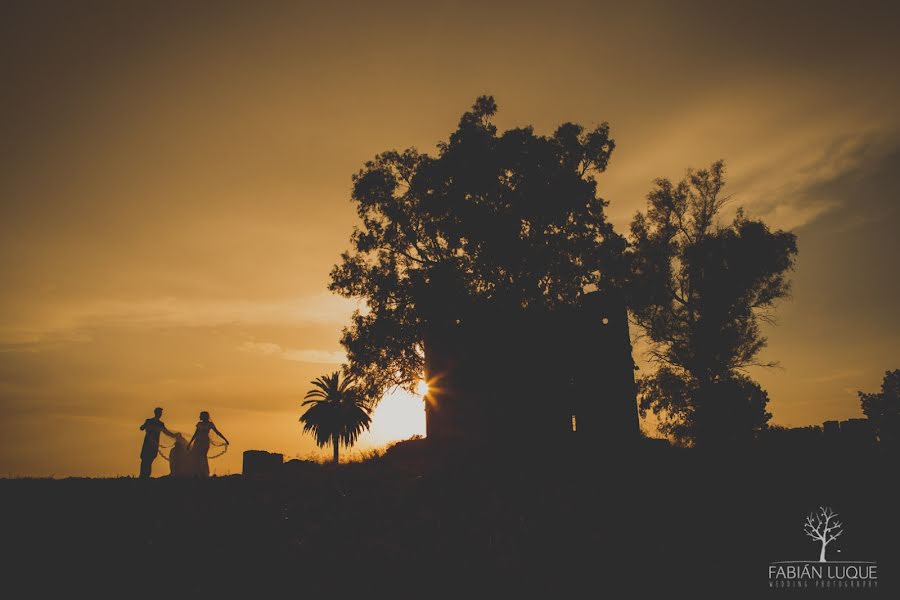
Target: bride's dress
(193,461)
(180,458)
(200,449)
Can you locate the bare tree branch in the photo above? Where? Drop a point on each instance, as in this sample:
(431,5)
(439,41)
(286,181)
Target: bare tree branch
(824,531)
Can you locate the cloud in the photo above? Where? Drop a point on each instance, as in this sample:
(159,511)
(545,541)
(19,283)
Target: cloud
(794,187)
(783,145)
(792,216)
(52,325)
(306,355)
(794,191)
(834,376)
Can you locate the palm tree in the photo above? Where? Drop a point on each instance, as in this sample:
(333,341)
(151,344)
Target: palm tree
(338,411)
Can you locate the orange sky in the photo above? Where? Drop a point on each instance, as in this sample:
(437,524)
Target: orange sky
(175,188)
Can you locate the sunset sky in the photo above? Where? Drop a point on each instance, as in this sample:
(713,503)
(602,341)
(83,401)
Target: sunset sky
(175,187)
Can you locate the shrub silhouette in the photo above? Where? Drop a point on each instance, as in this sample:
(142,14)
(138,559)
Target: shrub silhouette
(883,409)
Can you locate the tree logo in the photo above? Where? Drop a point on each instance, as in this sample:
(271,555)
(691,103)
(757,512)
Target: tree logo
(823,526)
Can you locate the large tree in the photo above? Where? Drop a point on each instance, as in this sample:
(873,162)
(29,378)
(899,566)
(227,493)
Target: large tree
(699,290)
(512,217)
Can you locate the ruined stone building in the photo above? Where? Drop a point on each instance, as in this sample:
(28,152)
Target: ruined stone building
(505,374)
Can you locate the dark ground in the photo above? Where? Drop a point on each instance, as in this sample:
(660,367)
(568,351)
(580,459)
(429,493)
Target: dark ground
(667,522)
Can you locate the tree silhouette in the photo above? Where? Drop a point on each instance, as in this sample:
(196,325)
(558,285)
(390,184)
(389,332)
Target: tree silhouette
(338,412)
(820,527)
(883,408)
(512,218)
(699,290)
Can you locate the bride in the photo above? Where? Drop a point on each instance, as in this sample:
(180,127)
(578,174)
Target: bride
(198,447)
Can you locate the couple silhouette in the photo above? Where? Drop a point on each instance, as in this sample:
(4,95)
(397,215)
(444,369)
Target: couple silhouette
(187,458)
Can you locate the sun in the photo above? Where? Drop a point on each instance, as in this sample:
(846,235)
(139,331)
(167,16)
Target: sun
(398,416)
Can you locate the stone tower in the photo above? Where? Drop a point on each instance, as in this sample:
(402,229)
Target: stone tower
(503,374)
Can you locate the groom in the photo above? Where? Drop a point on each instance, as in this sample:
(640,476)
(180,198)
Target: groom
(150,449)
